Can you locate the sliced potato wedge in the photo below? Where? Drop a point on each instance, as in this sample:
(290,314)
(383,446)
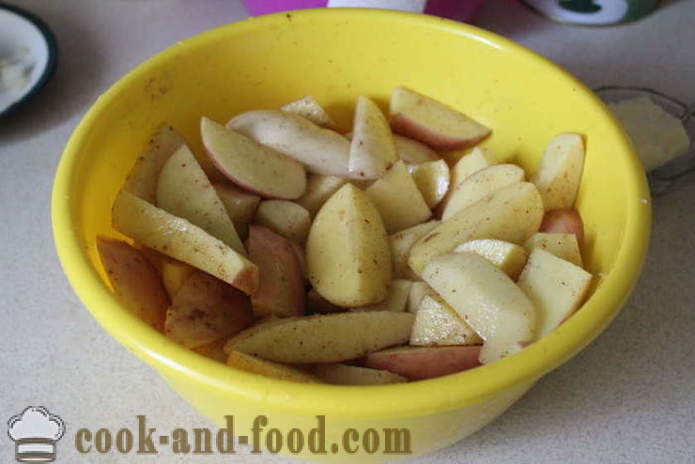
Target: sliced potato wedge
(286,218)
(398,199)
(347,252)
(419,363)
(143,177)
(401,243)
(438,324)
(178,238)
(319,189)
(345,374)
(432,179)
(563,245)
(205,310)
(560,171)
(509,257)
(240,205)
(134,280)
(396,300)
(265,368)
(184,190)
(324,338)
(513,214)
(372,150)
(310,109)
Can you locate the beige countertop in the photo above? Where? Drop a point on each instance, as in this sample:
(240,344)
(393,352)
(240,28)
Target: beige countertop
(628,398)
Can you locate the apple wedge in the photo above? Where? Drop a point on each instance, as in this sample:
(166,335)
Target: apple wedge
(205,310)
(286,218)
(143,177)
(432,179)
(281,288)
(240,205)
(372,150)
(419,363)
(481,184)
(431,122)
(438,324)
(555,286)
(345,374)
(401,243)
(179,239)
(413,152)
(396,300)
(319,189)
(134,280)
(418,291)
(324,338)
(259,366)
(564,246)
(487,299)
(322,151)
(560,171)
(184,190)
(398,199)
(250,165)
(563,221)
(510,258)
(513,214)
(347,252)
(310,109)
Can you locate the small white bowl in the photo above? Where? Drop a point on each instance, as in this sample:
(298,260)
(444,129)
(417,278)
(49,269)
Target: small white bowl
(28,52)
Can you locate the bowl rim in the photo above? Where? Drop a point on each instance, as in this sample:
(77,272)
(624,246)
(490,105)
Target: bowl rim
(525,367)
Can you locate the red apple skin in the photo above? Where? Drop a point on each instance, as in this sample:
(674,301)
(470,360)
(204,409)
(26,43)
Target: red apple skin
(419,363)
(281,288)
(405,126)
(563,221)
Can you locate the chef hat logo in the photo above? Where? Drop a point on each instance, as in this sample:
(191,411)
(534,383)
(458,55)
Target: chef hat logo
(35,432)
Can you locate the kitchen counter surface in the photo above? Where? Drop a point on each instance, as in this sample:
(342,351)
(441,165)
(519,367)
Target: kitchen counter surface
(627,398)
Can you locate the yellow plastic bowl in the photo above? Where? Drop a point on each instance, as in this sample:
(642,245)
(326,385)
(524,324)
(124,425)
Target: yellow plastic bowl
(336,55)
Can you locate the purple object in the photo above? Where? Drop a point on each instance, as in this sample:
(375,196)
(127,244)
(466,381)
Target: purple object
(460,10)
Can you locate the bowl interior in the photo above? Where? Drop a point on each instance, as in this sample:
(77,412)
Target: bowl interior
(336,55)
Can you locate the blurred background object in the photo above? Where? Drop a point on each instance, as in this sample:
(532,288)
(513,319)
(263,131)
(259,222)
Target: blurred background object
(460,10)
(594,12)
(28,55)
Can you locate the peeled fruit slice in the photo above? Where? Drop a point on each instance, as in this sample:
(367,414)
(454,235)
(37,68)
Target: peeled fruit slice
(396,300)
(310,109)
(281,288)
(323,151)
(564,246)
(345,374)
(185,191)
(432,179)
(179,239)
(487,299)
(437,323)
(419,363)
(259,366)
(347,252)
(413,152)
(134,280)
(563,221)
(205,310)
(324,338)
(513,214)
(431,122)
(250,165)
(560,171)
(481,184)
(286,218)
(240,205)
(509,257)
(372,150)
(398,199)
(143,177)
(556,287)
